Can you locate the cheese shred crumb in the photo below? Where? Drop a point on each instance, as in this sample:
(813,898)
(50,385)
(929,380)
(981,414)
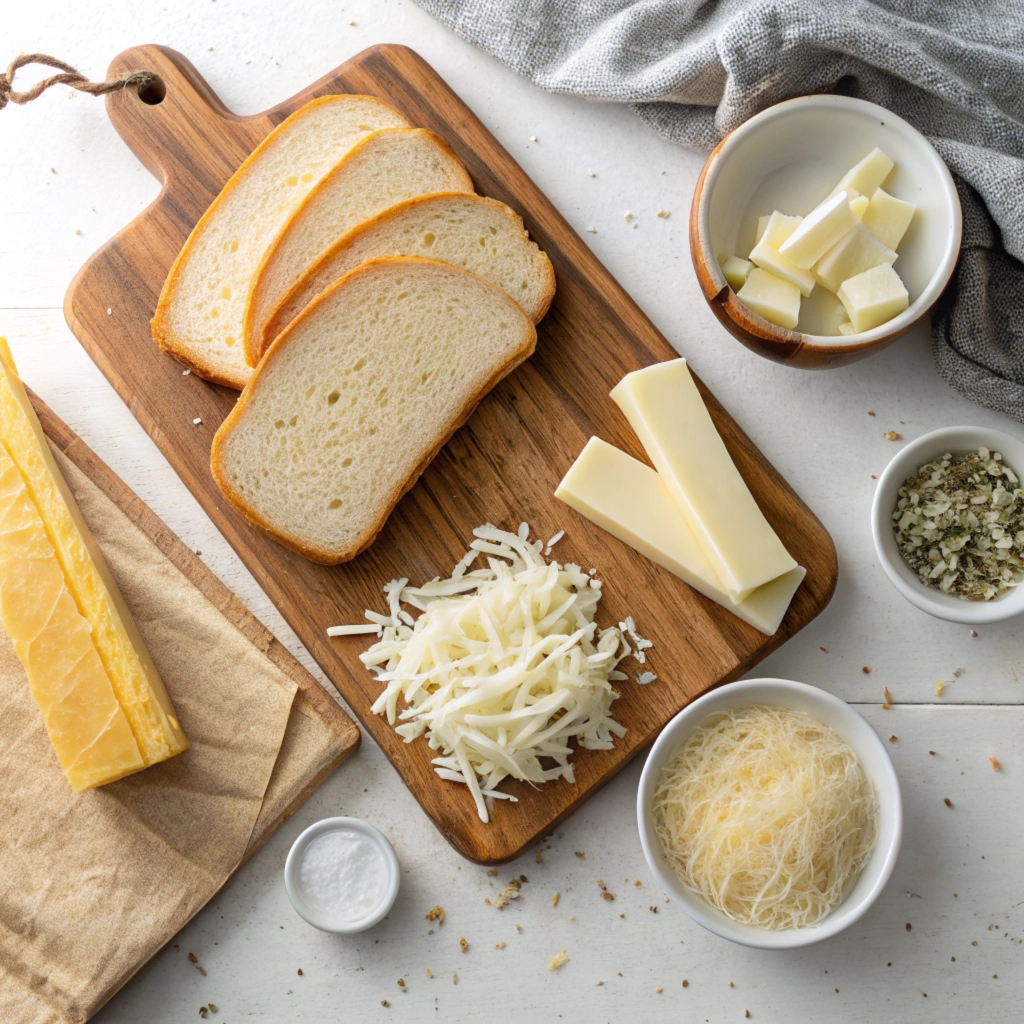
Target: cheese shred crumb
(557,960)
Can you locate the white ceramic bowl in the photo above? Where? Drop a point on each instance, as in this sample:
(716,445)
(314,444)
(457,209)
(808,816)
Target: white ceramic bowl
(955,440)
(314,915)
(877,765)
(787,158)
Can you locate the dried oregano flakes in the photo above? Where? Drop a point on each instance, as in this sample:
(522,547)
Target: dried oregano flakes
(959,524)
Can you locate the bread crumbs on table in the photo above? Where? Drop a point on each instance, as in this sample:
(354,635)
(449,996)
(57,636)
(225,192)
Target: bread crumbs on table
(994,763)
(384,1002)
(909,926)
(686,984)
(300,972)
(663,214)
(202,1012)
(499,945)
(509,893)
(463,945)
(932,752)
(437,914)
(731,985)
(658,991)
(401,983)
(888,699)
(975,942)
(746,1013)
(519,928)
(865,670)
(430,973)
(871,412)
(213,1007)
(947,801)
(455,977)
(555,899)
(939,687)
(891,435)
(892,739)
(638,883)
(825,649)
(557,960)
(492,873)
(581,855)
(653,909)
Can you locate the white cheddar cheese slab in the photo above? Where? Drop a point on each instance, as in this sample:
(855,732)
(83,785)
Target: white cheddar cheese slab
(629,500)
(665,409)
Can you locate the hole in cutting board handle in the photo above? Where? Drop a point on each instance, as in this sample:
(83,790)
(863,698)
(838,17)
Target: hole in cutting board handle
(153,93)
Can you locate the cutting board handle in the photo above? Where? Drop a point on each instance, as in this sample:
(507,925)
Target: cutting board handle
(166,124)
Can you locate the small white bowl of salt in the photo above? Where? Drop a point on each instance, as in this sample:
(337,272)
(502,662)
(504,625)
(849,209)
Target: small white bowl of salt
(342,875)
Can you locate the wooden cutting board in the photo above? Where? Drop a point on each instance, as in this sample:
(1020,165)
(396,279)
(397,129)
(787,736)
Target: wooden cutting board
(502,467)
(311,699)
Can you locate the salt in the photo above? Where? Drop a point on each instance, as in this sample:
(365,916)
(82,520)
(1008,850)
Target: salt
(344,874)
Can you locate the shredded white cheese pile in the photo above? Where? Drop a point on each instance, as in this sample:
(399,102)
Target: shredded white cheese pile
(767,814)
(503,667)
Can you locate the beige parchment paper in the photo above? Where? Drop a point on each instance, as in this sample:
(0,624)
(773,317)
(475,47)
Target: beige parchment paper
(93,884)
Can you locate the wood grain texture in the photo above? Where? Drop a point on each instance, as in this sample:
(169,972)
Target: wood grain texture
(311,698)
(502,467)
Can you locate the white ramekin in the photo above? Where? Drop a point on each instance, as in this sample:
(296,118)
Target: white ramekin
(314,915)
(955,440)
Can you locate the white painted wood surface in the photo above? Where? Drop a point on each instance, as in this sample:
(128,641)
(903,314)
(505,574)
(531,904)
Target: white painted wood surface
(814,426)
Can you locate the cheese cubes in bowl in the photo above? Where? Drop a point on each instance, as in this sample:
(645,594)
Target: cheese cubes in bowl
(846,246)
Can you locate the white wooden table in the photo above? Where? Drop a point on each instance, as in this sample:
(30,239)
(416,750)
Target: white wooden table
(946,940)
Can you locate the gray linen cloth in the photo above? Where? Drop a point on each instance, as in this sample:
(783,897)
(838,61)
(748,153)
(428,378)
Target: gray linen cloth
(696,70)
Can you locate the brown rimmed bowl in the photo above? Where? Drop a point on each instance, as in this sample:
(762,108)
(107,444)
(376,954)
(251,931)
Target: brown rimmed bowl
(787,158)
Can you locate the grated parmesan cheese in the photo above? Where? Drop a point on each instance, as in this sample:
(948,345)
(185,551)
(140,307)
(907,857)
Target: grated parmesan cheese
(503,667)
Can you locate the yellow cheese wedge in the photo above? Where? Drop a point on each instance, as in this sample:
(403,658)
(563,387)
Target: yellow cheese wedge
(89,732)
(630,501)
(136,683)
(665,409)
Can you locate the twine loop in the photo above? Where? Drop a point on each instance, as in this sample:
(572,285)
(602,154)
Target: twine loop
(70,76)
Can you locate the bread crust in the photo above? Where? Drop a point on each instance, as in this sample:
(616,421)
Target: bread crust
(160,327)
(277,320)
(320,555)
(252,331)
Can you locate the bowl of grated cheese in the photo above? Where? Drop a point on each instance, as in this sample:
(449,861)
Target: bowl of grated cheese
(771,811)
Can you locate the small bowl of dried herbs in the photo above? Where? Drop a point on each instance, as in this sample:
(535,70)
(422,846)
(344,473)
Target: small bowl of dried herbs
(948,524)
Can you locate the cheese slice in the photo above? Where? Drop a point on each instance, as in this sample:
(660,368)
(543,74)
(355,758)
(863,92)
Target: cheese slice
(866,176)
(629,500)
(820,230)
(89,732)
(767,256)
(665,409)
(136,683)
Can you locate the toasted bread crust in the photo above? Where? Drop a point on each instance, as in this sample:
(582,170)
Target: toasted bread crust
(279,319)
(162,332)
(252,331)
(320,555)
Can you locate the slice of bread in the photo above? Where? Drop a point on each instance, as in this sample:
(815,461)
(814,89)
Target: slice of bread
(468,231)
(199,317)
(353,401)
(382,170)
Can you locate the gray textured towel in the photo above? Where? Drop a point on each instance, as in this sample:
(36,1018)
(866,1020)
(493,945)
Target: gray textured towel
(696,70)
